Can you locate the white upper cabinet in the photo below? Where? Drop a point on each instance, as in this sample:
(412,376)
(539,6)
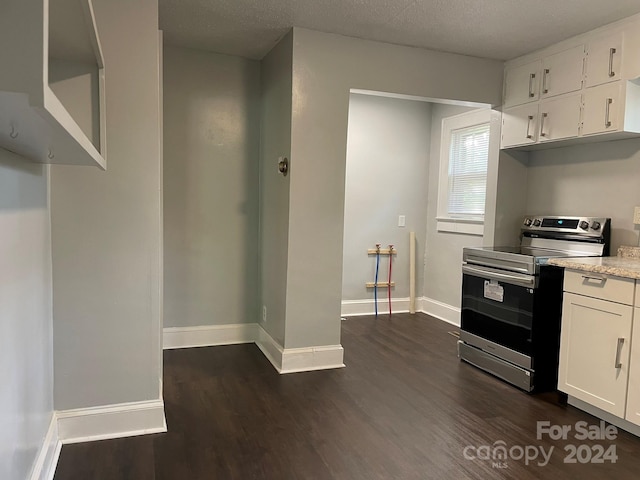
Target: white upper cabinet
(520,125)
(604,59)
(560,118)
(602,106)
(586,89)
(52,98)
(562,72)
(522,84)
(612,108)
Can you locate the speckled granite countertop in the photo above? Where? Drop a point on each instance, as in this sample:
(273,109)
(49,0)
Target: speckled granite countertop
(621,266)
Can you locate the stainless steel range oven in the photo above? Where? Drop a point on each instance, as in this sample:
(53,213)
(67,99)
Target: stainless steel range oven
(512,300)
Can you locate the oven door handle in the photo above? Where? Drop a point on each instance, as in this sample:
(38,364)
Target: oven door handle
(523,280)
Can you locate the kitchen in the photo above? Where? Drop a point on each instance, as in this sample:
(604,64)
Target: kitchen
(311,213)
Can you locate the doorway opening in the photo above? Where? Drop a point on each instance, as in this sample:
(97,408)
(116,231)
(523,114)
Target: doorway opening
(398,181)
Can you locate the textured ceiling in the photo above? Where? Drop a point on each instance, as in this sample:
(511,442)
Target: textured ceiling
(499,29)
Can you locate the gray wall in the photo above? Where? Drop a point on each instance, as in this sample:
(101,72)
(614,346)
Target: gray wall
(106,231)
(211,173)
(386,176)
(325,67)
(598,179)
(26,350)
(275,141)
(511,197)
(443,253)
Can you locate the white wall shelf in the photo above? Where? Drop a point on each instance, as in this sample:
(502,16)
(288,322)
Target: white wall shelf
(52,99)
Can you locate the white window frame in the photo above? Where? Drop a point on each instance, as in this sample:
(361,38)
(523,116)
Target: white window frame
(471,225)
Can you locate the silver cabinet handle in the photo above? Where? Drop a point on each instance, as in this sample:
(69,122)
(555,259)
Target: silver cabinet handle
(597,279)
(532,76)
(607,119)
(542,134)
(529,118)
(618,352)
(544,81)
(612,52)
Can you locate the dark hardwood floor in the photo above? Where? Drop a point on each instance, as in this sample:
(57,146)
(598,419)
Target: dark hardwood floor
(403,408)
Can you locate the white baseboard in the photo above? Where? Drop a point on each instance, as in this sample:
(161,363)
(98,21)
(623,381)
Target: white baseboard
(47,459)
(354,308)
(270,348)
(283,360)
(208,335)
(312,358)
(294,360)
(114,421)
(442,311)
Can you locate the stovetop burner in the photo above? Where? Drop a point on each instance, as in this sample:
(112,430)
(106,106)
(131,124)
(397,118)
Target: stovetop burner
(536,253)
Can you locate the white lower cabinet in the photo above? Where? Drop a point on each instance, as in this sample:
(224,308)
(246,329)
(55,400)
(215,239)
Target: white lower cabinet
(594,351)
(633,397)
(600,343)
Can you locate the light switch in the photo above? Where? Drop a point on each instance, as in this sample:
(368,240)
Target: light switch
(636,215)
(401,221)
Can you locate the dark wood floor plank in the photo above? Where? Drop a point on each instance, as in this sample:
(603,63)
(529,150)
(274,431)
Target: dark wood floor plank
(404,408)
(108,460)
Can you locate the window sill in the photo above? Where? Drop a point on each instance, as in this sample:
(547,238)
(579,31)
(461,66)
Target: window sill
(463,226)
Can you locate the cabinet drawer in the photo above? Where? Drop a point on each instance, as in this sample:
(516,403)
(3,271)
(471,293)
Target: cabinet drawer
(597,285)
(637,302)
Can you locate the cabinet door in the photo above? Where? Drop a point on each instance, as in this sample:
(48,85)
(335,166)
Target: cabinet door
(601,109)
(562,72)
(594,352)
(521,84)
(519,125)
(633,396)
(604,60)
(560,118)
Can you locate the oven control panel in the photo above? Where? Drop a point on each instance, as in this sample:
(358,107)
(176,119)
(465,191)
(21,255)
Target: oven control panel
(591,226)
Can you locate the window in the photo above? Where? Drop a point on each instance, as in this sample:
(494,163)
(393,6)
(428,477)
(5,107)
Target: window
(464,154)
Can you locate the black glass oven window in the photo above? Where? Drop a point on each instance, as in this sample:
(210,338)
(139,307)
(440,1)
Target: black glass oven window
(508,323)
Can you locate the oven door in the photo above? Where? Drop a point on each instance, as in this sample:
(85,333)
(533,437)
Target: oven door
(497,305)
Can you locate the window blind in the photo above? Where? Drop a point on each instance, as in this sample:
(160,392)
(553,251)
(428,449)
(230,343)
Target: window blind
(468,154)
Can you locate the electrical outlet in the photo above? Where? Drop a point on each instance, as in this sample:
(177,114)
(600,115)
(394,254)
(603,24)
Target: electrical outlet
(401,221)
(636,215)
(264,314)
